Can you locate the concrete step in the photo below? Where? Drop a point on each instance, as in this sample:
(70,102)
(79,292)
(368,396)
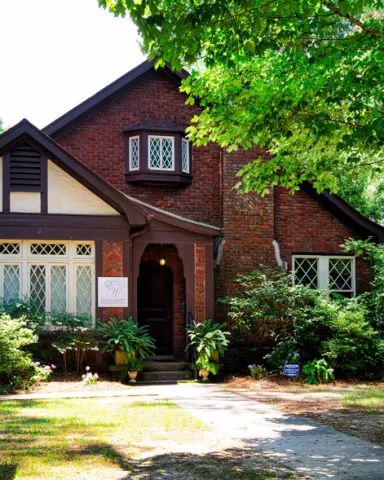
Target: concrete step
(168,375)
(162,358)
(158,382)
(154,366)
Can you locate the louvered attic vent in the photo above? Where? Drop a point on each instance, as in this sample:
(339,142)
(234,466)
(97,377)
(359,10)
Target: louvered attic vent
(25,168)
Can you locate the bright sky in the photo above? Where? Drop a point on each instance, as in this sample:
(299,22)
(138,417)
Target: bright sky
(57,53)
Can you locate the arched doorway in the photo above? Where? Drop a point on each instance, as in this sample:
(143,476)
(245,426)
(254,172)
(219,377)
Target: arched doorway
(155,304)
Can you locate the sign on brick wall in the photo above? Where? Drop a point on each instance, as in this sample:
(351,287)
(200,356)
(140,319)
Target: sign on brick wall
(112,292)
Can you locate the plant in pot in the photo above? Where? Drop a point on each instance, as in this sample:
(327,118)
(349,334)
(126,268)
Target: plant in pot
(126,340)
(206,367)
(210,341)
(134,367)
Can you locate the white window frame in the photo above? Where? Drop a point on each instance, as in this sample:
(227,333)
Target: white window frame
(161,137)
(185,142)
(71,261)
(131,169)
(323,270)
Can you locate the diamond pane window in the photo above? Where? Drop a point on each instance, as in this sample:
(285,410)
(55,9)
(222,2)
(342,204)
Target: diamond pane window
(83,250)
(134,153)
(8,248)
(11,282)
(306,272)
(48,249)
(340,274)
(58,287)
(84,289)
(161,153)
(37,291)
(185,156)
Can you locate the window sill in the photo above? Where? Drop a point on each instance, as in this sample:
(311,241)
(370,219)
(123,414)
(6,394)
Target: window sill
(161,178)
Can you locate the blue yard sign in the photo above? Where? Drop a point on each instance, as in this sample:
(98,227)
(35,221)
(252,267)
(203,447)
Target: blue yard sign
(291,370)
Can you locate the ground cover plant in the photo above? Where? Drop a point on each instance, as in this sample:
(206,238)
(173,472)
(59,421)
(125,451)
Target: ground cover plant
(118,439)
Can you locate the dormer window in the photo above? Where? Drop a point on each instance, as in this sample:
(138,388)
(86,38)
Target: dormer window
(157,152)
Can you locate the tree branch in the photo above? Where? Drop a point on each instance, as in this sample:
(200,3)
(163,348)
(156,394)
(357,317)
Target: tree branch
(351,19)
(240,14)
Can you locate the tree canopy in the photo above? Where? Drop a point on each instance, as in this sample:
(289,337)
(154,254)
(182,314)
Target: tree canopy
(302,78)
(1,127)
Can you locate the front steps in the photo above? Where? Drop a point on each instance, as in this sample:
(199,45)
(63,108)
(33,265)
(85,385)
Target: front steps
(159,370)
(155,371)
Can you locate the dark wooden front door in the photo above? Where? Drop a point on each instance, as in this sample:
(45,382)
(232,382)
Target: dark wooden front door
(155,304)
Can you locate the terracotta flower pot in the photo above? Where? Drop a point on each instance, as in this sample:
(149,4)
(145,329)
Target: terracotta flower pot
(205,374)
(132,376)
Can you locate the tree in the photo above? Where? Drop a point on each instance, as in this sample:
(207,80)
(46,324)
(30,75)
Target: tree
(1,126)
(303,78)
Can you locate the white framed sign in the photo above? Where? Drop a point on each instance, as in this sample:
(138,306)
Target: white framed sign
(112,292)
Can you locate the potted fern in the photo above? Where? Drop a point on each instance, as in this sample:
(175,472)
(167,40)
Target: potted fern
(126,340)
(134,367)
(210,342)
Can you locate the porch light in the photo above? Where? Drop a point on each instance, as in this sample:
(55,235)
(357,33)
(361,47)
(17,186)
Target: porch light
(162,260)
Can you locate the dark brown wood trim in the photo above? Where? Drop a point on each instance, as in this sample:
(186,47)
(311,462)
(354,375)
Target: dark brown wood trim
(126,273)
(44,184)
(25,131)
(6,182)
(98,273)
(63,227)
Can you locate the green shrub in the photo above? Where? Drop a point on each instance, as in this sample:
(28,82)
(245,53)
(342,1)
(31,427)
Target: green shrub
(73,337)
(294,321)
(27,309)
(16,365)
(317,371)
(258,372)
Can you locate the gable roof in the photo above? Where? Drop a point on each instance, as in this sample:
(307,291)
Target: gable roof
(26,131)
(177,220)
(134,77)
(345,212)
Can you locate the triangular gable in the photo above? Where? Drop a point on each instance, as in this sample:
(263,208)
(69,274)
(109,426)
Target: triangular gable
(127,82)
(26,132)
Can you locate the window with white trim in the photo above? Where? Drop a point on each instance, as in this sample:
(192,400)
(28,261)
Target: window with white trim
(134,162)
(321,271)
(185,155)
(56,275)
(161,153)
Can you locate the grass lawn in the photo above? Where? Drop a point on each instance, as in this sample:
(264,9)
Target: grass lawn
(356,408)
(115,438)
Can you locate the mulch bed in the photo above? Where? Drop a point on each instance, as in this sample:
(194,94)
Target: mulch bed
(73,383)
(280,392)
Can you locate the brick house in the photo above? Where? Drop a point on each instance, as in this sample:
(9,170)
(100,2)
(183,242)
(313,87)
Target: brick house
(114,189)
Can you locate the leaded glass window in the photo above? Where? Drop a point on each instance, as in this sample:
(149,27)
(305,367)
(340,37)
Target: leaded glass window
(161,153)
(306,272)
(58,287)
(185,156)
(84,287)
(11,282)
(55,275)
(134,153)
(37,286)
(341,274)
(324,271)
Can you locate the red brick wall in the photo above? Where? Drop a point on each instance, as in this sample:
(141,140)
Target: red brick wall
(199,283)
(175,263)
(303,225)
(99,143)
(249,227)
(112,267)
